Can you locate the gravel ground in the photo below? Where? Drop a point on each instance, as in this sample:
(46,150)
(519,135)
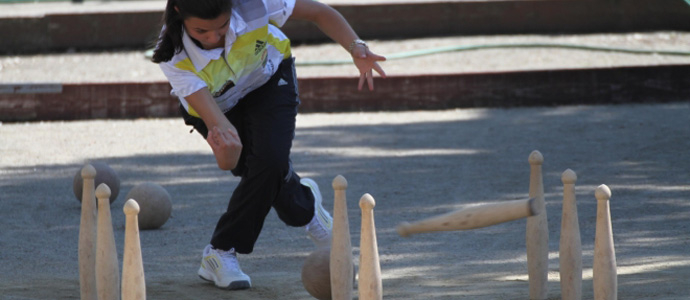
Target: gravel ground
(415,164)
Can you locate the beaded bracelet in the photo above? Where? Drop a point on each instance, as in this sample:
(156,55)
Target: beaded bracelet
(357,42)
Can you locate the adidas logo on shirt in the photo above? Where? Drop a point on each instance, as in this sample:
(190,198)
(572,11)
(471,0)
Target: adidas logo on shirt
(260,45)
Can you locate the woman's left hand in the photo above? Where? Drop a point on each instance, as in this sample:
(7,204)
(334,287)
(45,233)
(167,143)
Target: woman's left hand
(366,61)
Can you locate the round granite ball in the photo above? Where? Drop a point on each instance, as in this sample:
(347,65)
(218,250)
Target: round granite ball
(155,205)
(316,274)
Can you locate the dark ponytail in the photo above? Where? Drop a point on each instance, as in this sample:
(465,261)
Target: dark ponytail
(170,41)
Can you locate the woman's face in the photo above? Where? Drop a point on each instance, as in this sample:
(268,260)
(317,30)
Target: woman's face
(210,33)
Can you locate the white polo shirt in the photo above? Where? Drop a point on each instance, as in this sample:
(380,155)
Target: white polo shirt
(254,48)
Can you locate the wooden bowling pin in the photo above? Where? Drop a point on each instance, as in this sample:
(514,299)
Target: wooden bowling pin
(133,283)
(342,270)
(570,246)
(107,270)
(605,273)
(370,287)
(472,217)
(87,236)
(537,236)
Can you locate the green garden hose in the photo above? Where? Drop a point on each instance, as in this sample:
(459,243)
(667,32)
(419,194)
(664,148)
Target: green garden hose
(415,53)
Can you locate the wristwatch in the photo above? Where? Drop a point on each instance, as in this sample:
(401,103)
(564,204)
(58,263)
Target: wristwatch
(357,42)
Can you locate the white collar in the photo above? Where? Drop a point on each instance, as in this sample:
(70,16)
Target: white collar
(200,57)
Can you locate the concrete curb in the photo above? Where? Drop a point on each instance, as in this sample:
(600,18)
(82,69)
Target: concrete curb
(43,102)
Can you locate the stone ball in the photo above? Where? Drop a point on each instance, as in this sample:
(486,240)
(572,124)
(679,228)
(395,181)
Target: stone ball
(155,205)
(316,274)
(104,174)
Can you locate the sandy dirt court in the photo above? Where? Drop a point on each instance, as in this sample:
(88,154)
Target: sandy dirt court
(415,164)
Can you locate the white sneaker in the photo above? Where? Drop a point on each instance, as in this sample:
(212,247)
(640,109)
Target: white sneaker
(320,227)
(222,268)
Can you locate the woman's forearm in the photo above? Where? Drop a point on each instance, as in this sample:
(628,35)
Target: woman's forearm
(222,136)
(329,21)
(204,104)
(334,25)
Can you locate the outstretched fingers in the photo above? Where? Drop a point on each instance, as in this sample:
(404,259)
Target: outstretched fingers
(380,70)
(366,64)
(367,76)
